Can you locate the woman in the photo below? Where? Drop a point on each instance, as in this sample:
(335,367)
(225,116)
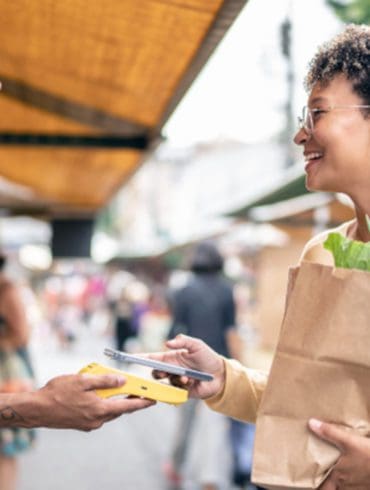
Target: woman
(335,138)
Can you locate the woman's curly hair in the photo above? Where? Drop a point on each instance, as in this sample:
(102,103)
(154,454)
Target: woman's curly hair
(348,54)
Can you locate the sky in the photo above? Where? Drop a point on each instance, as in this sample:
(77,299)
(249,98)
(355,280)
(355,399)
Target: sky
(241,90)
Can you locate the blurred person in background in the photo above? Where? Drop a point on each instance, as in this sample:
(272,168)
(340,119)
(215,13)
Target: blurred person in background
(123,320)
(139,295)
(242,441)
(16,374)
(204,308)
(154,322)
(65,321)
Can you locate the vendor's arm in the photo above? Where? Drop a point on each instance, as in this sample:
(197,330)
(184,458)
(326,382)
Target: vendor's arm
(67,402)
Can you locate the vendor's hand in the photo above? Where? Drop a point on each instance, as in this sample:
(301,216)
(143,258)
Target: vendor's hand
(352,470)
(193,353)
(70,402)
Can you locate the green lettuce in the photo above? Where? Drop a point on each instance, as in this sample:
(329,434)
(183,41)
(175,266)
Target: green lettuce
(347,253)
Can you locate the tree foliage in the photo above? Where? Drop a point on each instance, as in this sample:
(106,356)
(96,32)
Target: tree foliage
(352,11)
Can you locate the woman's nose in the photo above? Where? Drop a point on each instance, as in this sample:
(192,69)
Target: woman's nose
(301,137)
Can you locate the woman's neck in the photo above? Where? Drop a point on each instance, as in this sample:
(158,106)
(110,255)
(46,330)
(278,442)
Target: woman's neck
(359,230)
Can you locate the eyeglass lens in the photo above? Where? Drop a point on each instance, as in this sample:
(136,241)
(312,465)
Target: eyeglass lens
(307,119)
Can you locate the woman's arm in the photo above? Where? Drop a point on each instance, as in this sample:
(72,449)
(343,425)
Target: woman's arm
(235,390)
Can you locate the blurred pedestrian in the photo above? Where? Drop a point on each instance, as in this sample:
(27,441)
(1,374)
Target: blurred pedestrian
(204,308)
(242,442)
(16,373)
(65,321)
(123,321)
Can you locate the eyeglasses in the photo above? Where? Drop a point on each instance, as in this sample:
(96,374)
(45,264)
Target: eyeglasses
(311,116)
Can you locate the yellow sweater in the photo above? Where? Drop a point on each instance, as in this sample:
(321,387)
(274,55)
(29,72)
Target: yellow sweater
(244,387)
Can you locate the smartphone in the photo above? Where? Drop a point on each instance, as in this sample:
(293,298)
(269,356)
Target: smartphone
(158,365)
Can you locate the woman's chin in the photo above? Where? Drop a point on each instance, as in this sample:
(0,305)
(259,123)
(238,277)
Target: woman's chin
(310,184)
(314,185)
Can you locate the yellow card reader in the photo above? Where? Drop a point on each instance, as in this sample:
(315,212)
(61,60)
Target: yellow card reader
(137,386)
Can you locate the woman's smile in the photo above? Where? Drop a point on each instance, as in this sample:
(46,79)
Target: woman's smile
(312,158)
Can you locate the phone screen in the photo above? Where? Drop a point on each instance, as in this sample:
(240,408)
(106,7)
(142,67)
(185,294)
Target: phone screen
(160,366)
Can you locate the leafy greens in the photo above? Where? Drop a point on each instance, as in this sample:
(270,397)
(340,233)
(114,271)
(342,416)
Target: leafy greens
(347,253)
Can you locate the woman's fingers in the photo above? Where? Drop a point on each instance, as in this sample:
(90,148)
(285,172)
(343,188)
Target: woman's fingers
(181,341)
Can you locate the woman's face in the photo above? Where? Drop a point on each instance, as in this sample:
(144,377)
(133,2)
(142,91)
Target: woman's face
(337,151)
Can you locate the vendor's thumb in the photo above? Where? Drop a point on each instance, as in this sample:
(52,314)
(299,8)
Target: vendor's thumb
(337,436)
(95,382)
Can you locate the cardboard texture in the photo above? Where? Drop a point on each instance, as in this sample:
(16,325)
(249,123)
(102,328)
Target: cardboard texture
(321,369)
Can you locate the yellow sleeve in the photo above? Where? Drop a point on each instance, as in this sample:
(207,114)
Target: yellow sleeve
(242,393)
(314,250)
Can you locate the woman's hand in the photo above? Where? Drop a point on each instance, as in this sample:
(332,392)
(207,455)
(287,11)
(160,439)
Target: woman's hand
(193,353)
(352,470)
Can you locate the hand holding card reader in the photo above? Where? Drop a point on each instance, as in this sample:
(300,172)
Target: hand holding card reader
(145,388)
(137,386)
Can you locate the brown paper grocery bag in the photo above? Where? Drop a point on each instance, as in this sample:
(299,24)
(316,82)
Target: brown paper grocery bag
(321,369)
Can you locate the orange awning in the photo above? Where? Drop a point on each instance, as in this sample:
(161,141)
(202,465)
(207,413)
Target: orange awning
(87,87)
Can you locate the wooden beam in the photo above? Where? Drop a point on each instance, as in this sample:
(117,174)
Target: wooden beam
(139,142)
(80,113)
